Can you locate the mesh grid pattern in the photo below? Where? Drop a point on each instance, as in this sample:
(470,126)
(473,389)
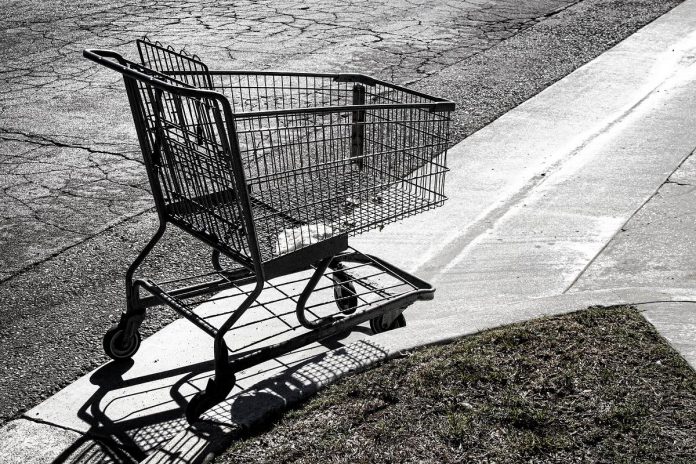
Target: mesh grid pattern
(188,149)
(322,156)
(372,285)
(305,166)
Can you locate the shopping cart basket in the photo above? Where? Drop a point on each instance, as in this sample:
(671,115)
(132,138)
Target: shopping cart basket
(274,171)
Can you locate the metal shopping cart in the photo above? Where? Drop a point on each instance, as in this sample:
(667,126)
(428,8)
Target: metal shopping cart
(274,171)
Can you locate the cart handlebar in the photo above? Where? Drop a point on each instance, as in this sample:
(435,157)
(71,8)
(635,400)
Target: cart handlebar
(118,63)
(115,61)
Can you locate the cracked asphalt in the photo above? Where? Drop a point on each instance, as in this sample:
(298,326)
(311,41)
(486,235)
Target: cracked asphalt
(68,146)
(75,207)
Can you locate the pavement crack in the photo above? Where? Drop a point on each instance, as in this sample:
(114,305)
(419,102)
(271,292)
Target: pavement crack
(13,274)
(51,424)
(682,184)
(42,140)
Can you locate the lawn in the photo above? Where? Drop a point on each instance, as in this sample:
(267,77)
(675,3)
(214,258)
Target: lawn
(594,386)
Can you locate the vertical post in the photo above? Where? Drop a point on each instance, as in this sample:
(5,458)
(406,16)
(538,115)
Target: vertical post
(357,131)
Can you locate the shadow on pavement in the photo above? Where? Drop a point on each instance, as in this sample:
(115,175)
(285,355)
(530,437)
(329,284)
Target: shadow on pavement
(132,437)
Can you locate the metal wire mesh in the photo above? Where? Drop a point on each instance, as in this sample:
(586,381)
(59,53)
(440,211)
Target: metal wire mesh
(164,59)
(187,150)
(323,155)
(324,168)
(274,310)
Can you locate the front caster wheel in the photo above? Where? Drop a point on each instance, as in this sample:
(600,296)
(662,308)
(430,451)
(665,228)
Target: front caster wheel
(378,325)
(117,347)
(213,394)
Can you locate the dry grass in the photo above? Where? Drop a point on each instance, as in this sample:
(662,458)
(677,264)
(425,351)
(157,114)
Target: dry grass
(594,386)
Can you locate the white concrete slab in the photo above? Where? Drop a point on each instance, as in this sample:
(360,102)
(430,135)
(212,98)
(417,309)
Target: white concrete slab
(495,169)
(666,224)
(677,323)
(542,243)
(18,442)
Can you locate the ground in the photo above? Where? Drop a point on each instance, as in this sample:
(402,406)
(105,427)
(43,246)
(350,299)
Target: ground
(600,385)
(75,206)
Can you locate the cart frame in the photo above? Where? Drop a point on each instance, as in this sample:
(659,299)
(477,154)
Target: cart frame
(326,257)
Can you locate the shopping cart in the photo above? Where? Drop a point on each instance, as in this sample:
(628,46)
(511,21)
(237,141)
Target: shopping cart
(274,171)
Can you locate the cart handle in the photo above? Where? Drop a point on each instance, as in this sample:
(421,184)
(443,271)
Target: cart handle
(123,66)
(438,104)
(99,55)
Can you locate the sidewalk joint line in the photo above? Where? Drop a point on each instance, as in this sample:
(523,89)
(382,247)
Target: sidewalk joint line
(45,422)
(623,225)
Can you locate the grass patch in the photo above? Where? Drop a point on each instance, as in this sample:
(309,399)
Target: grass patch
(594,386)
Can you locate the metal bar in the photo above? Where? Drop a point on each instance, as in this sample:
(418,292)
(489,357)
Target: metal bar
(302,300)
(357,130)
(244,360)
(196,290)
(334,109)
(341,77)
(173,303)
(223,370)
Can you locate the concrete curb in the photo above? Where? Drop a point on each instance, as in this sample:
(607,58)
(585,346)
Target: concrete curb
(200,444)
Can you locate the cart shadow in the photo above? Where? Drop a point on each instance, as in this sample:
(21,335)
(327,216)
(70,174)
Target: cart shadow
(132,438)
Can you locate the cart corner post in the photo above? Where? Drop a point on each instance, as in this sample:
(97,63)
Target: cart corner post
(357,131)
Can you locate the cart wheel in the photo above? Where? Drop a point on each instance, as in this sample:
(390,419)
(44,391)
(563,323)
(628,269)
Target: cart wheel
(345,295)
(213,394)
(377,324)
(118,349)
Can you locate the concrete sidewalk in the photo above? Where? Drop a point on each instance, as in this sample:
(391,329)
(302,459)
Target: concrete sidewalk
(535,198)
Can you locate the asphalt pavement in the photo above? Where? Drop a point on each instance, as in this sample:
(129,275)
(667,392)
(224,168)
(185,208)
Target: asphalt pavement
(63,289)
(68,141)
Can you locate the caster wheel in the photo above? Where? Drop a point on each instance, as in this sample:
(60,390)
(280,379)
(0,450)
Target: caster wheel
(377,324)
(212,395)
(116,347)
(344,293)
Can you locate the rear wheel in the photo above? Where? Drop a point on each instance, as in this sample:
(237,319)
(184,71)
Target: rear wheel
(378,325)
(344,292)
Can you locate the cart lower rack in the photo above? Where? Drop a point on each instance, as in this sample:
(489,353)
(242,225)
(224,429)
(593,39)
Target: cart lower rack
(274,171)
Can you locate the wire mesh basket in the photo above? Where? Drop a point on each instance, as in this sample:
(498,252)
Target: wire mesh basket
(323,155)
